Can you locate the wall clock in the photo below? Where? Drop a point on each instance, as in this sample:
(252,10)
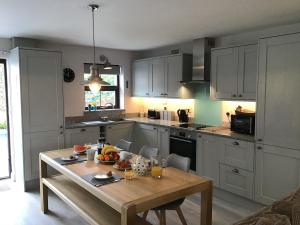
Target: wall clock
(69,75)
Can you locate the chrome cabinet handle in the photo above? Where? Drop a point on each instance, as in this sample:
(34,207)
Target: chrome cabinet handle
(235,170)
(235,143)
(259,147)
(259,139)
(82,130)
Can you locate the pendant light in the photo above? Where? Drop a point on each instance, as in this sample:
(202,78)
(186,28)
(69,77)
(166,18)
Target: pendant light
(95,82)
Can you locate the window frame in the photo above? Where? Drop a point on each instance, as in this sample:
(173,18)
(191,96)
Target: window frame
(116,89)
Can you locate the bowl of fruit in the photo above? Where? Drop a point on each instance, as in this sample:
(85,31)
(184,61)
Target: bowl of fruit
(109,155)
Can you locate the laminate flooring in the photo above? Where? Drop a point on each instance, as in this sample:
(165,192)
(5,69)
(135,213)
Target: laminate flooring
(19,208)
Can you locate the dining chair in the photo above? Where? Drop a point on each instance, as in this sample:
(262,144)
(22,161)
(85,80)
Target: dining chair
(182,163)
(124,144)
(148,152)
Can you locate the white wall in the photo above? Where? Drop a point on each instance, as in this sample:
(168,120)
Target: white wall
(74,57)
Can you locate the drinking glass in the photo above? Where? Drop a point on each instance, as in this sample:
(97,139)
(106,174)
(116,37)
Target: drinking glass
(128,174)
(156,169)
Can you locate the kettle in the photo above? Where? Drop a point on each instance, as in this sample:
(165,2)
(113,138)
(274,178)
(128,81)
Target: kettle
(182,115)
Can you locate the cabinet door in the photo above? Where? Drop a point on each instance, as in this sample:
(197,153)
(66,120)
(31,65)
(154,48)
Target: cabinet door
(34,143)
(224,70)
(247,72)
(41,86)
(208,158)
(278,105)
(163,142)
(141,78)
(173,75)
(236,180)
(116,132)
(277,173)
(81,136)
(144,135)
(158,77)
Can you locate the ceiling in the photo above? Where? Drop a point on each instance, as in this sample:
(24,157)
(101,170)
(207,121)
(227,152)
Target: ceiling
(140,24)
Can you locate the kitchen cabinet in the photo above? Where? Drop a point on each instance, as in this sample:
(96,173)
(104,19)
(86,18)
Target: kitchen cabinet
(237,153)
(207,157)
(145,134)
(278,102)
(161,76)
(142,78)
(158,77)
(116,132)
(277,173)
(236,180)
(81,136)
(36,108)
(233,73)
(163,142)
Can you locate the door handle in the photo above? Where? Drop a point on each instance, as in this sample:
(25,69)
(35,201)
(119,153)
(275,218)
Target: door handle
(82,130)
(234,95)
(61,127)
(61,132)
(240,96)
(259,147)
(235,170)
(235,143)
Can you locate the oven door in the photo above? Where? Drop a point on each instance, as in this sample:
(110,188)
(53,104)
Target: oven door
(184,147)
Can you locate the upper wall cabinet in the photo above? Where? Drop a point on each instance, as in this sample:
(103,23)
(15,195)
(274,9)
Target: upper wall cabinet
(233,73)
(161,76)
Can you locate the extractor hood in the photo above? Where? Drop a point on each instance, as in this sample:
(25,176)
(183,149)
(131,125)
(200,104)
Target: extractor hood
(201,60)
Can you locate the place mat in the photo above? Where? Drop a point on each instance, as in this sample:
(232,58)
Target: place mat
(90,178)
(62,162)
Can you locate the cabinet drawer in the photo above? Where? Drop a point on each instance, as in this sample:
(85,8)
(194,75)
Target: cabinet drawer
(236,180)
(237,153)
(147,127)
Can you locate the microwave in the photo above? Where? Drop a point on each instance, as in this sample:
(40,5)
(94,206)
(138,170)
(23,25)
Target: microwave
(153,114)
(243,123)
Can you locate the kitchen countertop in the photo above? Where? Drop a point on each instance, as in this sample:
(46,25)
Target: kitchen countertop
(219,131)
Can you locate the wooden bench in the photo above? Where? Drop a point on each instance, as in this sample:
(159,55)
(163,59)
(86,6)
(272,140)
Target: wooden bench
(93,210)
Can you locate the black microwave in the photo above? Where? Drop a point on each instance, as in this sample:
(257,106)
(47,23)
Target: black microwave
(243,123)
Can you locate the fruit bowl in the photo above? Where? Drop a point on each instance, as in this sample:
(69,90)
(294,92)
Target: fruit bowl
(109,155)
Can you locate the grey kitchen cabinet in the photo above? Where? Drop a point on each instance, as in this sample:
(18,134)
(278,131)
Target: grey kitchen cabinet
(237,153)
(277,173)
(233,73)
(36,108)
(116,132)
(163,75)
(163,141)
(278,102)
(158,77)
(81,136)
(236,180)
(207,157)
(144,134)
(142,78)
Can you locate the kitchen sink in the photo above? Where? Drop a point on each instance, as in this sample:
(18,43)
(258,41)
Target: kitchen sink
(95,122)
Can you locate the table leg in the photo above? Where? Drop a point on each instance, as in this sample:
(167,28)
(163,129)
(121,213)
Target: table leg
(206,206)
(43,187)
(128,215)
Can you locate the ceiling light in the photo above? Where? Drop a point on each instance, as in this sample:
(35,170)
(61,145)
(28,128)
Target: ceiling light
(95,81)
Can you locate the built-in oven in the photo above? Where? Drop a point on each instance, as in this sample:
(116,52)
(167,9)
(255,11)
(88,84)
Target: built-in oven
(183,143)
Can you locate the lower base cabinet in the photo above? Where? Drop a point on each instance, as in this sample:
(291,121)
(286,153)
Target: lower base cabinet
(116,132)
(154,136)
(277,173)
(236,180)
(81,136)
(207,157)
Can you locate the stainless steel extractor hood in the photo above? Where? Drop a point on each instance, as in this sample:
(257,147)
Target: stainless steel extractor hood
(201,60)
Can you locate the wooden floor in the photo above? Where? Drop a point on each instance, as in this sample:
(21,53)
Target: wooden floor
(18,208)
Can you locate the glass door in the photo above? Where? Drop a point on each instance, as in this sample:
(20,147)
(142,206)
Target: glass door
(4,134)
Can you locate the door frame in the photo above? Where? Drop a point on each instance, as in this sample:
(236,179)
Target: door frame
(3,61)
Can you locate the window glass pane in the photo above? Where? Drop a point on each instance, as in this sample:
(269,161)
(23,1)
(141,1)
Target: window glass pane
(108,97)
(110,78)
(92,98)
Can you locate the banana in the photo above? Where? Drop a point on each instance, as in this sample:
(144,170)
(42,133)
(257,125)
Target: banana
(108,149)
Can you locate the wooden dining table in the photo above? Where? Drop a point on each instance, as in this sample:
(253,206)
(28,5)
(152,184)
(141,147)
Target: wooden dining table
(118,202)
